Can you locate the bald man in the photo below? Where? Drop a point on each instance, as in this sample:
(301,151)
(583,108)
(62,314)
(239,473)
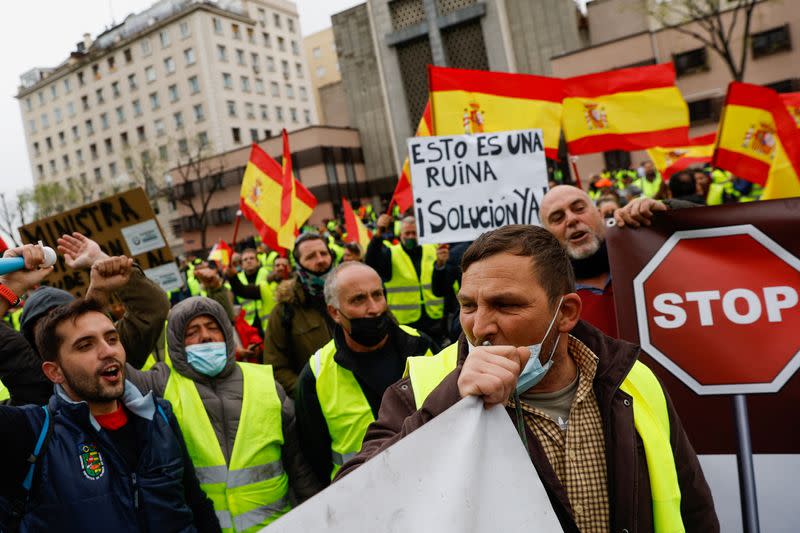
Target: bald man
(339,391)
(568,213)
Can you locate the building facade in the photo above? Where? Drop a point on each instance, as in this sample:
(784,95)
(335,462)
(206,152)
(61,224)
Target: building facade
(384,47)
(623,34)
(124,108)
(327,160)
(326,80)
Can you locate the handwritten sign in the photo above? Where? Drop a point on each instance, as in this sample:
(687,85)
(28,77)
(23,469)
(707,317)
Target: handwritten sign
(465,185)
(123,224)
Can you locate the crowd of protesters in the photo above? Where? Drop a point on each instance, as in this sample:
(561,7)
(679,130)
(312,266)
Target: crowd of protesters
(226,403)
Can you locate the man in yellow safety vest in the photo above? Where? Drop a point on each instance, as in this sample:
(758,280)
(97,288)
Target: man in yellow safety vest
(339,391)
(598,426)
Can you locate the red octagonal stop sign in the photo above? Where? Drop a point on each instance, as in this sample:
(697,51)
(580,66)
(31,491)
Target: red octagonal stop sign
(719,308)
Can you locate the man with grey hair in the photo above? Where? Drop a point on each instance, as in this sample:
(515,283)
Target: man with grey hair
(407,270)
(339,391)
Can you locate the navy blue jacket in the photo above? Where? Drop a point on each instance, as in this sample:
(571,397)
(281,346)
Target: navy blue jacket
(84,484)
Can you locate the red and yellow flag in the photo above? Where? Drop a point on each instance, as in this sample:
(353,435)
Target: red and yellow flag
(221,252)
(477,101)
(356,230)
(792,103)
(626,109)
(668,161)
(759,141)
(262,199)
(403,196)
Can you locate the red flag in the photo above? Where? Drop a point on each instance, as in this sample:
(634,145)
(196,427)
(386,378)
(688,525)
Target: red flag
(221,253)
(3,245)
(356,231)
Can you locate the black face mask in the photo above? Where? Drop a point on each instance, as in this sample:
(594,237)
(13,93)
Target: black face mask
(592,266)
(369,331)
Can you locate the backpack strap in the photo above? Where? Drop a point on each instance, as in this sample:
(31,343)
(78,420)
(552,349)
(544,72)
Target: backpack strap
(20,502)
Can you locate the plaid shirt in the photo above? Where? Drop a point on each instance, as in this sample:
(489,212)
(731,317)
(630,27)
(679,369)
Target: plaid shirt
(577,455)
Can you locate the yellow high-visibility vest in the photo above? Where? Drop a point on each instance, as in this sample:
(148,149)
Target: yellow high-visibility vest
(345,408)
(4,393)
(406,293)
(650,416)
(252,307)
(251,491)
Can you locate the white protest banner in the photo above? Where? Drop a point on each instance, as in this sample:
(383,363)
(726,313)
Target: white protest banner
(465,470)
(465,185)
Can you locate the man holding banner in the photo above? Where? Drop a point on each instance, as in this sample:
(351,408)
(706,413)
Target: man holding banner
(599,428)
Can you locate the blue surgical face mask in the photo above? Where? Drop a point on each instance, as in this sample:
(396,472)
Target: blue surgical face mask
(208,358)
(534,370)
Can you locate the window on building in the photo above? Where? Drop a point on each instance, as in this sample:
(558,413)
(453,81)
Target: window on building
(289,91)
(279,113)
(28,104)
(127,55)
(293,113)
(178,120)
(150,74)
(202,139)
(163,36)
(70,109)
(76,134)
(222,53)
(67,85)
(53,92)
(159,126)
(771,41)
(62,139)
(320,72)
(98,175)
(53,168)
(172,91)
(240,57)
(112,169)
(274,89)
(789,85)
(85,102)
(99,94)
(132,82)
(270,64)
(262,16)
(231,105)
(236,32)
(276,19)
(227,81)
(93,151)
(245,84)
(96,71)
(36,150)
(267,40)
(57,115)
(89,127)
(285,68)
(40,94)
(237,135)
(194,85)
(79,156)
(281,44)
(690,62)
(120,114)
(48,142)
(137,108)
(40,171)
(254,61)
(145,44)
(115,92)
(250,110)
(254,135)
(316,52)
(290,24)
(199,114)
(263,109)
(123,137)
(169,65)
(705,110)
(295,48)
(112,66)
(298,69)
(109,146)
(32,125)
(307,116)
(65,161)
(189,57)
(154,102)
(259,86)
(303,94)
(251,36)
(129,164)
(140,134)
(217,25)
(184,26)
(183,146)
(104,121)
(163,153)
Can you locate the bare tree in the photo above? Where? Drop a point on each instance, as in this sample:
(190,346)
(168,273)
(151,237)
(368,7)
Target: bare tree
(9,215)
(195,180)
(710,26)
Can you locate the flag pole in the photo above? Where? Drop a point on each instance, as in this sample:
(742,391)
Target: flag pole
(573,159)
(236,226)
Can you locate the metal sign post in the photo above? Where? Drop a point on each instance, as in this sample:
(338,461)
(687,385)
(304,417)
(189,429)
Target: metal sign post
(744,459)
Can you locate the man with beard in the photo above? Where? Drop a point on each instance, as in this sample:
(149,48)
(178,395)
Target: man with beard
(99,456)
(407,271)
(298,325)
(340,389)
(569,214)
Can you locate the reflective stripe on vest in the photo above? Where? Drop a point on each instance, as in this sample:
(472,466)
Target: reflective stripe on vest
(252,490)
(345,408)
(650,417)
(406,292)
(251,307)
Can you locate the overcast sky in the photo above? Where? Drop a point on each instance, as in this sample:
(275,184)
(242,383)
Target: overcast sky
(41,33)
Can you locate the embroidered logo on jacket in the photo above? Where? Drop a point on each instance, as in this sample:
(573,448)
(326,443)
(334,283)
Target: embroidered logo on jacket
(91,461)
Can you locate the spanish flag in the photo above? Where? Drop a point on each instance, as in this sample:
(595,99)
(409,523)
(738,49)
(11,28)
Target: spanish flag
(403,195)
(297,202)
(262,199)
(221,252)
(784,174)
(477,101)
(792,103)
(668,161)
(356,230)
(626,109)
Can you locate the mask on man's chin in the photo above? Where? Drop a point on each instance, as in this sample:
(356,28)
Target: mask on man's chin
(410,244)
